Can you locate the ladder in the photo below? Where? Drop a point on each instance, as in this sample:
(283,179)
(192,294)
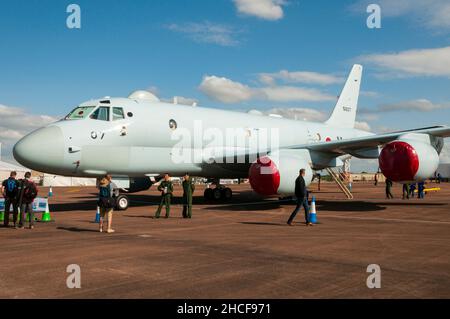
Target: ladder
(337,178)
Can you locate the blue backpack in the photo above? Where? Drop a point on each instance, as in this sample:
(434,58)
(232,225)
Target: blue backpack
(105,192)
(11,187)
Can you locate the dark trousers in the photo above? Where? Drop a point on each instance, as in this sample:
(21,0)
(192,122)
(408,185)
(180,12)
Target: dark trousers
(389,193)
(187,207)
(165,201)
(26,208)
(300,202)
(8,203)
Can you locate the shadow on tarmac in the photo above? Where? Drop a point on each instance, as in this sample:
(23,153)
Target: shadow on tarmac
(77,230)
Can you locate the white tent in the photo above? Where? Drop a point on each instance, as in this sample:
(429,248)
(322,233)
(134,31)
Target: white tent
(7,168)
(64,181)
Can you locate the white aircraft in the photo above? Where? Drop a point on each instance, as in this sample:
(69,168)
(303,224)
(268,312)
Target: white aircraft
(136,139)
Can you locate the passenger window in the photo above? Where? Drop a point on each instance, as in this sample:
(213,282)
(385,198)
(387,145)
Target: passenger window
(118,113)
(101,114)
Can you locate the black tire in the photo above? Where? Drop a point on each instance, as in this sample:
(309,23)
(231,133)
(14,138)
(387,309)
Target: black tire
(217,194)
(227,193)
(208,194)
(122,202)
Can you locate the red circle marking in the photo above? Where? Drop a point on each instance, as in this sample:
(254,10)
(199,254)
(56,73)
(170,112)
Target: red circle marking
(264,176)
(328,139)
(399,161)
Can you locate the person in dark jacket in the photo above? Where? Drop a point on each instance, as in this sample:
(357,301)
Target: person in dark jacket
(421,190)
(389,189)
(10,192)
(302,199)
(405,191)
(28,192)
(188,190)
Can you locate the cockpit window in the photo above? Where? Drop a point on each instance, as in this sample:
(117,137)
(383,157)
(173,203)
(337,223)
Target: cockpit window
(80,113)
(101,114)
(118,113)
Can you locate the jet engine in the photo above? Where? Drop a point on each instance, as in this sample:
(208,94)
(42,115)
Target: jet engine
(275,174)
(413,157)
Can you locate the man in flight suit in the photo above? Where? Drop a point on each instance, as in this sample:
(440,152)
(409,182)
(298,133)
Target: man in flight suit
(188,190)
(166,189)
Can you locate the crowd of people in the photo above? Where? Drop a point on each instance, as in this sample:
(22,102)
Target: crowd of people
(408,190)
(108,191)
(19,195)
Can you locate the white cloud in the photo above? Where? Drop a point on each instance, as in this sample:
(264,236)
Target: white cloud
(227,91)
(300,77)
(419,105)
(16,123)
(264,9)
(362,126)
(207,32)
(420,62)
(370,94)
(292,94)
(433,14)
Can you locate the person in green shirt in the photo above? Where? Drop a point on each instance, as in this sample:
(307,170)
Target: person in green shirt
(166,189)
(188,190)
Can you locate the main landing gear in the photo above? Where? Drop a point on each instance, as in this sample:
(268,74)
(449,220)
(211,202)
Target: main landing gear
(220,192)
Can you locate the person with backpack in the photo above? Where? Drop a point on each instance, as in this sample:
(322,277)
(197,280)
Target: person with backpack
(106,202)
(10,192)
(28,192)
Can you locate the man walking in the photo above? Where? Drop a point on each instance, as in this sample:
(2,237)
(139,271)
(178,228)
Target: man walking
(28,193)
(302,200)
(10,191)
(188,190)
(166,189)
(405,191)
(389,189)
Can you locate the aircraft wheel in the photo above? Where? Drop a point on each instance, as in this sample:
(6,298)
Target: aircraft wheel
(208,194)
(122,202)
(227,193)
(217,194)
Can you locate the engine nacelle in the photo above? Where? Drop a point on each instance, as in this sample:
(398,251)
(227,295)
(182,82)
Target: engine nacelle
(411,158)
(275,174)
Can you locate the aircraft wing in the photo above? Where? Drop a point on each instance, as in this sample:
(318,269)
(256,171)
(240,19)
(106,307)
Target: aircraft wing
(369,142)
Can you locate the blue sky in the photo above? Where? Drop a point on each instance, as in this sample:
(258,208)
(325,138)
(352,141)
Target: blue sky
(196,48)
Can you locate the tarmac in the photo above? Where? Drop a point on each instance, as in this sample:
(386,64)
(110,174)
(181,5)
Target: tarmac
(237,249)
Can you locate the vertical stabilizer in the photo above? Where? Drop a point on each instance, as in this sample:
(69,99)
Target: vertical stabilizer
(344,113)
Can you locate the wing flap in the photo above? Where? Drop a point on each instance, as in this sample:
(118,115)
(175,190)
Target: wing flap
(370,142)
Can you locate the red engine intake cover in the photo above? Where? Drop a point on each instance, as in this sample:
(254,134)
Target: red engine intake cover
(399,161)
(264,177)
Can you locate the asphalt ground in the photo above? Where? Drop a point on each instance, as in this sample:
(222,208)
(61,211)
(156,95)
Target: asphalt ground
(237,249)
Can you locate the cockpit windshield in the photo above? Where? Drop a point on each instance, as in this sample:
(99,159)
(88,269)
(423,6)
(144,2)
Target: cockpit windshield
(80,113)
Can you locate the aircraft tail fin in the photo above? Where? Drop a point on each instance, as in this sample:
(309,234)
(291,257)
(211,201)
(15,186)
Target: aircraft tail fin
(344,113)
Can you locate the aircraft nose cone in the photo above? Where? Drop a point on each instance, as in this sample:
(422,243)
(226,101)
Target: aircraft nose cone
(41,150)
